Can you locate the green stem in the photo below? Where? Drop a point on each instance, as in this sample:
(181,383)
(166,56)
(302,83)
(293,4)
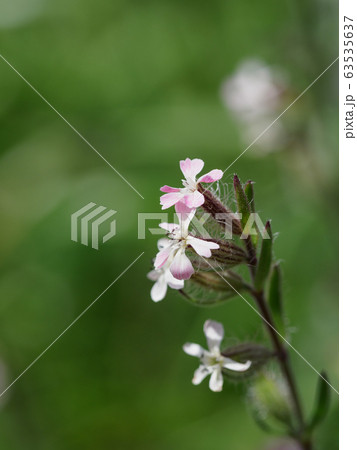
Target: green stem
(283,357)
(285,365)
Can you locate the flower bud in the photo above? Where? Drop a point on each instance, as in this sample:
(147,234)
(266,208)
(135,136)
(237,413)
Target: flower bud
(213,288)
(222,281)
(216,208)
(256,353)
(270,403)
(228,253)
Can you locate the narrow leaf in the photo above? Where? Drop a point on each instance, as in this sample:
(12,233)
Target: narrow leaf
(249,192)
(242,201)
(275,298)
(265,259)
(322,402)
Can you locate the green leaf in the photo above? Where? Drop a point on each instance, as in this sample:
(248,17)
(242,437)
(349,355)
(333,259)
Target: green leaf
(249,192)
(275,298)
(322,402)
(265,259)
(242,201)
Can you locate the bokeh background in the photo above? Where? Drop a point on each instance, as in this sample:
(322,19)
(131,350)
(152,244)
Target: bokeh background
(142,81)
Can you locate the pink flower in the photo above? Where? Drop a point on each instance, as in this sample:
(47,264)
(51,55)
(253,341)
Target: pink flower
(174,252)
(189,194)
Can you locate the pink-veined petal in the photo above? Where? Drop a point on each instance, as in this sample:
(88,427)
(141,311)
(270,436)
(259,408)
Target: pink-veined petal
(202,247)
(158,291)
(193,349)
(194,199)
(214,333)
(190,168)
(230,364)
(182,208)
(185,215)
(169,189)
(216,380)
(162,257)
(200,374)
(170,199)
(172,281)
(210,177)
(181,267)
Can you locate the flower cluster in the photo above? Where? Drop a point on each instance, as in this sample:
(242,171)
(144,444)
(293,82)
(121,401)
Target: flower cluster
(238,259)
(172,265)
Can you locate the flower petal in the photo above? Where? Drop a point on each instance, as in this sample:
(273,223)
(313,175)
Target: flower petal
(170,199)
(210,177)
(230,364)
(162,257)
(158,291)
(170,227)
(173,282)
(194,199)
(169,189)
(163,243)
(185,215)
(193,349)
(202,247)
(190,168)
(200,374)
(181,267)
(153,275)
(216,380)
(214,332)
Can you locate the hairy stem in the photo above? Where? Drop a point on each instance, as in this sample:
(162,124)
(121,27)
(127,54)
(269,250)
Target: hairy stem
(285,365)
(282,355)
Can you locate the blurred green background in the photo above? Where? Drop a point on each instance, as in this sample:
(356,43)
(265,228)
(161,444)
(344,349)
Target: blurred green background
(141,81)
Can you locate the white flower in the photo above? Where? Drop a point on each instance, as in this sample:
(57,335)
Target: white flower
(212,362)
(255,89)
(163,277)
(254,95)
(174,253)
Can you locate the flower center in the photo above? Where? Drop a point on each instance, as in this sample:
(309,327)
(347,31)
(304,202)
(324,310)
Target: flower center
(190,184)
(213,359)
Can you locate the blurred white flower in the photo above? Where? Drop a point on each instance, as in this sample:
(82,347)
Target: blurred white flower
(254,95)
(212,362)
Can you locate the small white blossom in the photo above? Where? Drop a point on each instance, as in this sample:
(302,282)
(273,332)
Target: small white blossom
(212,361)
